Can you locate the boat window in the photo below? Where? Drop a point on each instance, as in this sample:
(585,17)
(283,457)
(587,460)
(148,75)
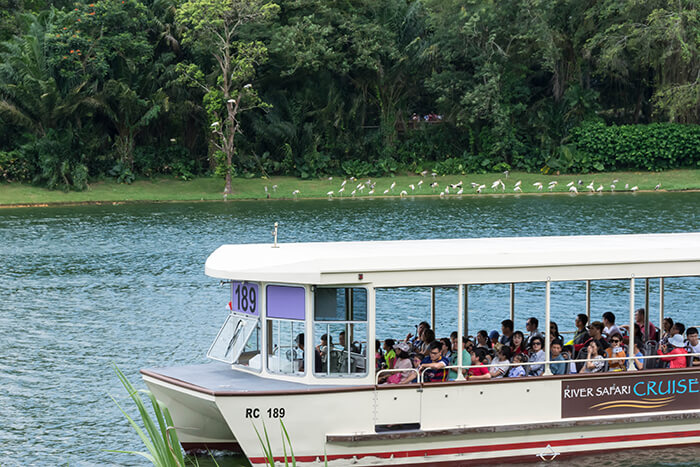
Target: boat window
(238,341)
(285,309)
(340,331)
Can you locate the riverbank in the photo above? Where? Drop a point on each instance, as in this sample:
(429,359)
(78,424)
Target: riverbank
(208,188)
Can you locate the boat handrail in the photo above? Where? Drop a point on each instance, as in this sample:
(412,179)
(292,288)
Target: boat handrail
(458,369)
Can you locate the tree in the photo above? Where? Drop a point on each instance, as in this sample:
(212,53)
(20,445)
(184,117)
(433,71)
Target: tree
(215,25)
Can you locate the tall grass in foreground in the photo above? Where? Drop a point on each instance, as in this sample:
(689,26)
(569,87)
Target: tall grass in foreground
(160,438)
(267,448)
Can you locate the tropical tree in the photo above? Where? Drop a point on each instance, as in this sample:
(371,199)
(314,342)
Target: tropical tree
(215,25)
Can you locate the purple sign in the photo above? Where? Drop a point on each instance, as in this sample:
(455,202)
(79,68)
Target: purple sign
(285,302)
(244,297)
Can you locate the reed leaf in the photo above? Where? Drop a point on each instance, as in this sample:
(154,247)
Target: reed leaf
(160,436)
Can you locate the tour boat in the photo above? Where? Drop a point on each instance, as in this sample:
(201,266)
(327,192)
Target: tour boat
(263,373)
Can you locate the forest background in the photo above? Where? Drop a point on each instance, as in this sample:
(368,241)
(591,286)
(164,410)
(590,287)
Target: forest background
(136,88)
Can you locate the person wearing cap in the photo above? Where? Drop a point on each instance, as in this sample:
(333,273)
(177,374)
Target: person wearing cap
(403,362)
(674,351)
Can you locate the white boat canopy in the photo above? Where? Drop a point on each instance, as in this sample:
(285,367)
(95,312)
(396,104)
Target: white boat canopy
(461,261)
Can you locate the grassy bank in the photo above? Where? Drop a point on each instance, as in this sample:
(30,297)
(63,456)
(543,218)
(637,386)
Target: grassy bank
(166,189)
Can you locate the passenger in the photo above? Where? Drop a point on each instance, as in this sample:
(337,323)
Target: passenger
(503,356)
(616,354)
(483,341)
(640,318)
(596,332)
(493,336)
(403,361)
(517,345)
(555,349)
(389,353)
(427,338)
(676,348)
(595,362)
(323,346)
(667,324)
(506,331)
(517,371)
(466,357)
(433,366)
(415,341)
(581,335)
(570,354)
(693,344)
(480,371)
(638,361)
(446,347)
(536,355)
(531,326)
(678,328)
(554,333)
(609,323)
(318,364)
(379,361)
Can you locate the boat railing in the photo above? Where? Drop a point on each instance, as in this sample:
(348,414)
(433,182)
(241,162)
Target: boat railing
(546,363)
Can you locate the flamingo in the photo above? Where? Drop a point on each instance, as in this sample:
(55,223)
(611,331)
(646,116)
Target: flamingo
(634,188)
(343,184)
(570,184)
(518,183)
(352,193)
(495,184)
(479,188)
(392,186)
(590,186)
(461,190)
(518,189)
(370,192)
(412,186)
(538,185)
(573,190)
(600,188)
(386,191)
(420,182)
(403,193)
(657,187)
(612,187)
(295,193)
(330,194)
(341,191)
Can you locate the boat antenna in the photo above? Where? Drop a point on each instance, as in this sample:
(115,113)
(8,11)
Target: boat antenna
(274,236)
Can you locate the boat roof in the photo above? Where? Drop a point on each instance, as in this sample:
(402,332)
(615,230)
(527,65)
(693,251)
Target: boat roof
(460,261)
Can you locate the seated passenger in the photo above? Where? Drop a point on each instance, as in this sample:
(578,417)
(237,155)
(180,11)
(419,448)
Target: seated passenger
(554,333)
(531,326)
(675,351)
(616,354)
(581,335)
(427,338)
(379,361)
(516,371)
(493,336)
(536,355)
(323,346)
(517,345)
(595,362)
(638,362)
(506,331)
(466,357)
(446,347)
(415,341)
(389,353)
(483,341)
(609,323)
(570,354)
(403,361)
(693,345)
(318,364)
(555,349)
(595,330)
(666,326)
(479,372)
(502,356)
(640,317)
(433,366)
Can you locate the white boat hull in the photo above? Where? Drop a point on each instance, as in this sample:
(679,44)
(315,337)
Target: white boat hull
(460,424)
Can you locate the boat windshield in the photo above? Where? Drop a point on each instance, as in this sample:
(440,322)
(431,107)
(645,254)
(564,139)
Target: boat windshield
(238,341)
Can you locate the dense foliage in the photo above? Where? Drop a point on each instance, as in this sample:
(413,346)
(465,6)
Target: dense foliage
(126,88)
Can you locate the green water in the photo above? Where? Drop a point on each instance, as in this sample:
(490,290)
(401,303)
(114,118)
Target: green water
(86,286)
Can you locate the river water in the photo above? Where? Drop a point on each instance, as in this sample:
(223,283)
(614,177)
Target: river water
(86,286)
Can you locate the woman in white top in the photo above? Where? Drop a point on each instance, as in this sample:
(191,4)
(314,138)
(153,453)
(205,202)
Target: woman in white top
(595,362)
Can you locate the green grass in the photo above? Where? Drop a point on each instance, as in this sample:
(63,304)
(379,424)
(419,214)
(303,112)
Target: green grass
(167,189)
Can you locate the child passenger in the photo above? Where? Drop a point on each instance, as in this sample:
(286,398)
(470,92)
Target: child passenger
(517,371)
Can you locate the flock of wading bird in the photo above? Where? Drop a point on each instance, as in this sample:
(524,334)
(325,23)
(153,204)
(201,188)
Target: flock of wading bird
(348,187)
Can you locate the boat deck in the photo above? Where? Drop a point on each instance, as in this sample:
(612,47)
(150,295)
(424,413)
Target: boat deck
(219,379)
